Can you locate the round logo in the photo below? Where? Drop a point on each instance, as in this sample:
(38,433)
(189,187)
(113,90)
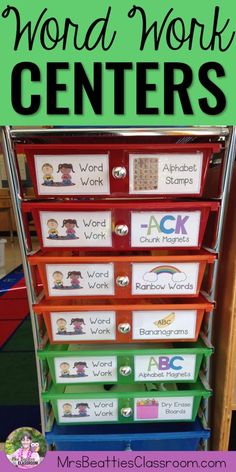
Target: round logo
(25,448)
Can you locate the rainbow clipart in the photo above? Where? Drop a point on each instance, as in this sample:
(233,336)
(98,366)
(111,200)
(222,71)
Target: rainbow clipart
(157,273)
(165,269)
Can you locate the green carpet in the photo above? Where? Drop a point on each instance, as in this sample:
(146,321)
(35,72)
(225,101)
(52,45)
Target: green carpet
(19,405)
(22,339)
(18,369)
(19,386)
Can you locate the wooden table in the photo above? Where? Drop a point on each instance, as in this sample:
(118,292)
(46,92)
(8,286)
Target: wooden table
(224,359)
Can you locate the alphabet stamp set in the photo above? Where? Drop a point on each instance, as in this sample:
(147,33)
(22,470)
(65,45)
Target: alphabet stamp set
(122,266)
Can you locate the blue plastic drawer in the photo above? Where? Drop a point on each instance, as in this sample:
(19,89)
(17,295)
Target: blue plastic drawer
(138,437)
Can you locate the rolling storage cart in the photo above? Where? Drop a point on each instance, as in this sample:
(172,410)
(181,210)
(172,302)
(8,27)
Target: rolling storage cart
(118,225)
(117,276)
(130,437)
(123,364)
(124,322)
(120,169)
(125,404)
(124,281)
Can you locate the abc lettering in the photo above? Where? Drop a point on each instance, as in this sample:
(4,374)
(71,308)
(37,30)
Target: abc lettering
(168,225)
(165,363)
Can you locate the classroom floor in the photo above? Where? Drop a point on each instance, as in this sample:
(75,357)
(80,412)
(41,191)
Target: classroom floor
(19,393)
(13,255)
(13,347)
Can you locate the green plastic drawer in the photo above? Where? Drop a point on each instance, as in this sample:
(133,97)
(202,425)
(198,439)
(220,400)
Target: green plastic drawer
(125,364)
(125,403)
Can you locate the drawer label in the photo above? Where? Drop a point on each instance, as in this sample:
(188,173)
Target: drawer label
(80,279)
(163,408)
(165,367)
(81,174)
(165,173)
(80,228)
(164,278)
(83,326)
(157,228)
(84,369)
(164,324)
(87,410)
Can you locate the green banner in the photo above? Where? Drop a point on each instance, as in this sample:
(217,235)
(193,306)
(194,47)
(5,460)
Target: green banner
(118,63)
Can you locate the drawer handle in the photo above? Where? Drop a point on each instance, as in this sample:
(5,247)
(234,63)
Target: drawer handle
(119,172)
(121,230)
(126,412)
(128,447)
(122,280)
(125,370)
(124,328)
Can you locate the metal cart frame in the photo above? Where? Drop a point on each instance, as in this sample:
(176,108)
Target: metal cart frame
(11,136)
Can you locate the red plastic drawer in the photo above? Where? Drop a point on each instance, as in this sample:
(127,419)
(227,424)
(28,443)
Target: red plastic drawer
(119,169)
(156,275)
(138,321)
(113,225)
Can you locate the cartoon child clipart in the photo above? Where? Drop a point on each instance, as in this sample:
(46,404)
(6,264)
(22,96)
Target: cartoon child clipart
(65,369)
(70,226)
(80,369)
(82,409)
(74,277)
(52,229)
(57,279)
(66,170)
(47,170)
(67,409)
(61,326)
(77,324)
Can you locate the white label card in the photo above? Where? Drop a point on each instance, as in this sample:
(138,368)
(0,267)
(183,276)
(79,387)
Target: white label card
(165,367)
(164,324)
(86,410)
(168,229)
(165,173)
(163,408)
(83,326)
(84,369)
(77,228)
(81,174)
(80,279)
(164,278)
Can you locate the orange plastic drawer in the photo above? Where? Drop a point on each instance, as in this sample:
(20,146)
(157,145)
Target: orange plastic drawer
(156,275)
(119,169)
(138,321)
(119,225)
